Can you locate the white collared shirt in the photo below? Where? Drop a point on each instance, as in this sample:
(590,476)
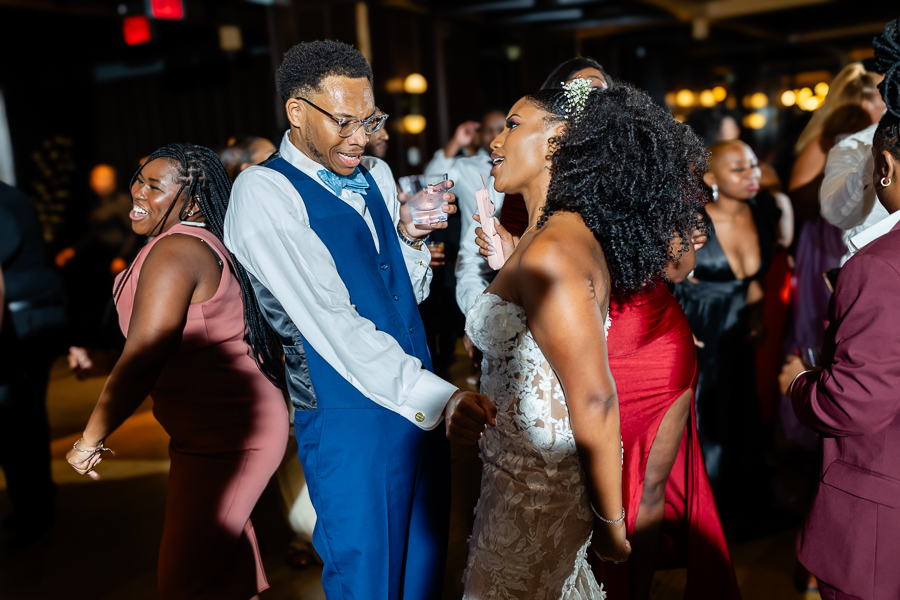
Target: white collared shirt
(473,274)
(267,229)
(864,238)
(847,196)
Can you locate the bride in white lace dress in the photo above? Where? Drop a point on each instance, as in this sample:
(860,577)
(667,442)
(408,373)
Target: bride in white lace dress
(552,450)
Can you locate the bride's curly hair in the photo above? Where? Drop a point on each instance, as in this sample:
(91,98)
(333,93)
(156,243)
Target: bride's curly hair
(633,173)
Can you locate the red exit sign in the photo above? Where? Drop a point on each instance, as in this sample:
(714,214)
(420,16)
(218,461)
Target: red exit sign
(167,9)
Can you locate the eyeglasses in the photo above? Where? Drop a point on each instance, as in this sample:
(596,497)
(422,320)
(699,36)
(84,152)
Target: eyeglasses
(348,126)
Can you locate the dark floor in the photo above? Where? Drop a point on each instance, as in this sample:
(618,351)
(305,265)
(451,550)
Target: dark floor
(107,535)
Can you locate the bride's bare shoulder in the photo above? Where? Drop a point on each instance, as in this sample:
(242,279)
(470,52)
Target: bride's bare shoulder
(563,247)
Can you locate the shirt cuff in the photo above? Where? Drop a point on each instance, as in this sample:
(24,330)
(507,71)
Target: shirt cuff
(420,273)
(431,394)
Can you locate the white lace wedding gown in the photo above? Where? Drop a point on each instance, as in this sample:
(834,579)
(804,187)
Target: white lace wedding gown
(533,521)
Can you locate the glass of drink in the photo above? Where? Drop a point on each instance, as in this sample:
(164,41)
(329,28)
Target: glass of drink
(811,355)
(425,197)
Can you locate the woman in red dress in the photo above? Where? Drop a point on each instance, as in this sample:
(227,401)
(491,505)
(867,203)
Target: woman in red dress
(187,311)
(671,519)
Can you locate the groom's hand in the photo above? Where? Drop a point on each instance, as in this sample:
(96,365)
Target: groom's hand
(467,415)
(421,232)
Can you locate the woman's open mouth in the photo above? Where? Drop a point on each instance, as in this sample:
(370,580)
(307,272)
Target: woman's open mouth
(137,213)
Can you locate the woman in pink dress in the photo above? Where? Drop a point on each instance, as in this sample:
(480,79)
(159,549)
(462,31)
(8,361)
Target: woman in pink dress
(188,313)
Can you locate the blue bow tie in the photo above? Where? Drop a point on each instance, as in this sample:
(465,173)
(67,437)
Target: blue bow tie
(356,182)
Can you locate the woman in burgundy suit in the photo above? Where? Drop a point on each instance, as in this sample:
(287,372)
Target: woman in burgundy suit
(187,311)
(851,540)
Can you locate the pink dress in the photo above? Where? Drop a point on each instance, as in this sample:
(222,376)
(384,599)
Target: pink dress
(229,430)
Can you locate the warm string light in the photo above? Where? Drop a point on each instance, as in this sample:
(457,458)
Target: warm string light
(687,98)
(413,124)
(805,98)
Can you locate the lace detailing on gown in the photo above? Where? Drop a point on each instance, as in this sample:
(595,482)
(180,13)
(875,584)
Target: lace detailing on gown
(533,520)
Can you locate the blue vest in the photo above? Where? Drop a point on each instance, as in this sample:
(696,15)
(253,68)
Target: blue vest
(377,280)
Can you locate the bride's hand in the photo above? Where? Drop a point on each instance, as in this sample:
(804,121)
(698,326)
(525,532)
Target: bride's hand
(485,246)
(609,543)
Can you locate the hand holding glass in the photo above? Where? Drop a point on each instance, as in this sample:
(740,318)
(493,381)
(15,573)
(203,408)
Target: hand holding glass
(426,197)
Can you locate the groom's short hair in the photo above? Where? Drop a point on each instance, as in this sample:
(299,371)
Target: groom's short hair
(307,64)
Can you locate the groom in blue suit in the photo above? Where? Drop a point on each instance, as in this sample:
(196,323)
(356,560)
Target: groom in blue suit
(339,273)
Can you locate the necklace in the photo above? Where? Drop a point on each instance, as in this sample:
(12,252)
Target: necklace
(527,230)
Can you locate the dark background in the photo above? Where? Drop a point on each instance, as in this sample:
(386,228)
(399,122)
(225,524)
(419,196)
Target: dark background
(77,95)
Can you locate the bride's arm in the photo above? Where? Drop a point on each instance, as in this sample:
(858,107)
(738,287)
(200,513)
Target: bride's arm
(563,305)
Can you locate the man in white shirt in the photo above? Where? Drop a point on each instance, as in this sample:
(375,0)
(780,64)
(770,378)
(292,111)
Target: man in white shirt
(847,196)
(338,274)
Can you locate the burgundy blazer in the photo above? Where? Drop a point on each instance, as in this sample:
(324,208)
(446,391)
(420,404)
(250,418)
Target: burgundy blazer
(851,539)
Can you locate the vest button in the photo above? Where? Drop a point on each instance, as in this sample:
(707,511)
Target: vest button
(384,267)
(396,298)
(420,417)
(410,329)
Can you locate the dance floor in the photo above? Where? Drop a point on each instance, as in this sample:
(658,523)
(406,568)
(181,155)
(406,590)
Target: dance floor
(105,542)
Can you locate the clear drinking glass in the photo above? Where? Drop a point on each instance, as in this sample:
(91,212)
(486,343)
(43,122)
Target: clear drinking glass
(426,197)
(811,355)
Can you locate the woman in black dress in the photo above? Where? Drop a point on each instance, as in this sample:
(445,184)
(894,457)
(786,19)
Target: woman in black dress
(723,300)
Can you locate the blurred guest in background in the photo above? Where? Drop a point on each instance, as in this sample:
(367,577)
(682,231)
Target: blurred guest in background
(721,124)
(378,141)
(853,401)
(244,152)
(467,174)
(723,303)
(852,104)
(186,309)
(109,223)
(580,67)
(467,133)
(715,124)
(847,195)
(92,262)
(32,328)
(820,248)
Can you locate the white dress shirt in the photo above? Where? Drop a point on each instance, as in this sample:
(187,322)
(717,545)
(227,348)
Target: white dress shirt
(267,229)
(473,274)
(847,196)
(864,238)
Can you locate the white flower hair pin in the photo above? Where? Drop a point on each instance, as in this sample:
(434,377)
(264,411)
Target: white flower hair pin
(576,92)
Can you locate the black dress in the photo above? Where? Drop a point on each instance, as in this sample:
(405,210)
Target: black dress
(729,421)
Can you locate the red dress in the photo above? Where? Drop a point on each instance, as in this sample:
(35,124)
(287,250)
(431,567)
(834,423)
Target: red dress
(229,430)
(653,361)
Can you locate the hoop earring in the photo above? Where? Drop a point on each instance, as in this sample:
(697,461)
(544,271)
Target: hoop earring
(715,192)
(190,213)
(883,184)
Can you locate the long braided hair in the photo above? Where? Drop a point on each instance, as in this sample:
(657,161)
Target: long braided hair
(203,177)
(887,61)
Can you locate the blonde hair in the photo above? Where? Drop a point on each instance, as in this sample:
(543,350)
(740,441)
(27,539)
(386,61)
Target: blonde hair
(851,86)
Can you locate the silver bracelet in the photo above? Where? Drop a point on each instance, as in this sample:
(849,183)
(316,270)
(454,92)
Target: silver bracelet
(619,520)
(100,448)
(790,389)
(415,244)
